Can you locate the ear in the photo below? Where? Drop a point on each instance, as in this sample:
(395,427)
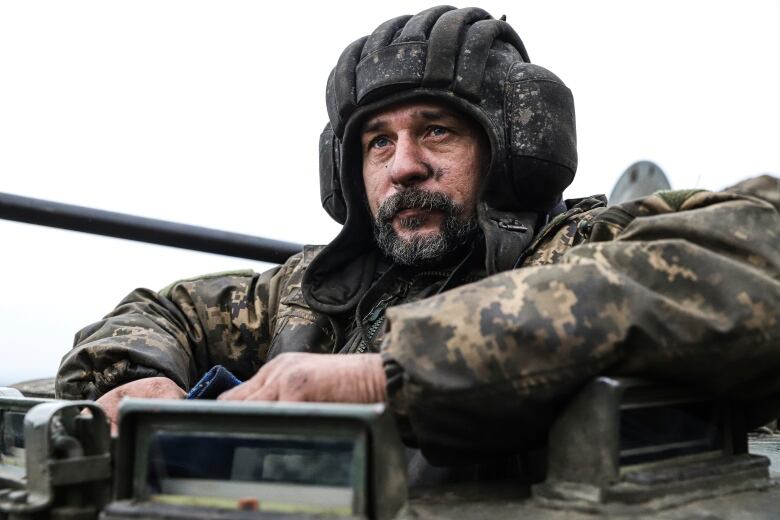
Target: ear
(330,183)
(542,147)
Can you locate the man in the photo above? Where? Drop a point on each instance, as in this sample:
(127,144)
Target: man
(478,300)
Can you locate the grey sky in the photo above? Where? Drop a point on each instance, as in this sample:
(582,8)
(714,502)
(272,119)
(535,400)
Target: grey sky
(209,113)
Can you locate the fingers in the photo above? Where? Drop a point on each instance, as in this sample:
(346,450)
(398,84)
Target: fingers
(276,381)
(315,377)
(273,389)
(110,405)
(248,392)
(243,391)
(265,393)
(114,427)
(152,387)
(161,388)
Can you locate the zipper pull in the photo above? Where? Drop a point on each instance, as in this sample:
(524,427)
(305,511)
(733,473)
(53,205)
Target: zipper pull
(375,312)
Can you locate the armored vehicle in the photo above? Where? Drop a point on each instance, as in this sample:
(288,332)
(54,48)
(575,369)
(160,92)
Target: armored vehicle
(622,448)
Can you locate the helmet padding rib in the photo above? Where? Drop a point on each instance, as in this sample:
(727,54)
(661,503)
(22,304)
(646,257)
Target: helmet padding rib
(418,29)
(384,34)
(344,82)
(474,54)
(444,44)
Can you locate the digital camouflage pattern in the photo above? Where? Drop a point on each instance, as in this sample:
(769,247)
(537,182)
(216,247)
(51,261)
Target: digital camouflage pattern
(763,186)
(233,319)
(681,286)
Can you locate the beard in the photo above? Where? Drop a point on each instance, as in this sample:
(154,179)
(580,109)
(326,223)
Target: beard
(456,229)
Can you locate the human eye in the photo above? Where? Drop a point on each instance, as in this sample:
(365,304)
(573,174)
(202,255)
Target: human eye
(438,131)
(379,141)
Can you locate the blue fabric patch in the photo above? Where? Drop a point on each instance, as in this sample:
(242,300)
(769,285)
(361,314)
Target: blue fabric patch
(217,380)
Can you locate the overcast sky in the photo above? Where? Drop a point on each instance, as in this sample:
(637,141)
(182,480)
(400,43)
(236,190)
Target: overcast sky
(209,113)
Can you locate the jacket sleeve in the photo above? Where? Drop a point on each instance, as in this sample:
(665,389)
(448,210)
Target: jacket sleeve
(179,332)
(680,286)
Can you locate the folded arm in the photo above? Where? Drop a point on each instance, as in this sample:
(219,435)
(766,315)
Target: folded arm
(682,288)
(178,333)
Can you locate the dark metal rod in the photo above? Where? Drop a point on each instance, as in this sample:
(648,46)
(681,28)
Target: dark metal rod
(141,229)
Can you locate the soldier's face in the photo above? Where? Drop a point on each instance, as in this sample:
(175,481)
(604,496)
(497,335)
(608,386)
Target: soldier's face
(422,168)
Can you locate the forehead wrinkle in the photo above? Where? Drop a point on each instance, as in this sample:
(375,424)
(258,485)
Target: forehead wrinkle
(374,124)
(435,114)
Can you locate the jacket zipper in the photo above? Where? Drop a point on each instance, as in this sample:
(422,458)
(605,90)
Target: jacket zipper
(381,306)
(371,334)
(372,315)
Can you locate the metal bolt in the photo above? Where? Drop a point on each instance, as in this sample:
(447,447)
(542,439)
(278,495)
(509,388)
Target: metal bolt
(585,227)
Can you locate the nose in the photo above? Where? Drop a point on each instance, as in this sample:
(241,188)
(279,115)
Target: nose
(409,166)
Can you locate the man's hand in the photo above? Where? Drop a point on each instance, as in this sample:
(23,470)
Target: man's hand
(358,378)
(151,387)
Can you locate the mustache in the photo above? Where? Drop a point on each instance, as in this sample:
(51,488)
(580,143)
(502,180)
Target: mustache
(416,198)
(456,228)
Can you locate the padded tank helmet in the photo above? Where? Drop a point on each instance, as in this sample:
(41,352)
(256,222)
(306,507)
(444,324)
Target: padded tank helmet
(479,66)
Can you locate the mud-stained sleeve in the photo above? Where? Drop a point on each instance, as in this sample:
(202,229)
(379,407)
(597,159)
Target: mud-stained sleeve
(687,292)
(764,187)
(179,333)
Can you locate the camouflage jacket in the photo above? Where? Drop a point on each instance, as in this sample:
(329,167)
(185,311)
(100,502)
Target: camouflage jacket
(678,286)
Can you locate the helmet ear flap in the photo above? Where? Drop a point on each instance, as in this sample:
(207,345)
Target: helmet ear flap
(330,175)
(542,145)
